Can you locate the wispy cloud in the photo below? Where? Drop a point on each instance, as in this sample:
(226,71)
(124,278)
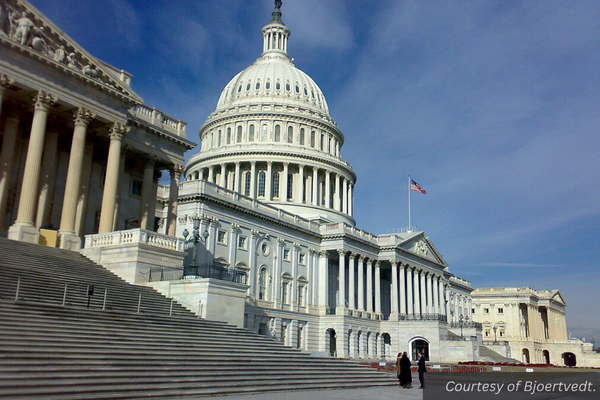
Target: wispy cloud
(515,265)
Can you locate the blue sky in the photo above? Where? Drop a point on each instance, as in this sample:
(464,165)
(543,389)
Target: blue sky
(492,106)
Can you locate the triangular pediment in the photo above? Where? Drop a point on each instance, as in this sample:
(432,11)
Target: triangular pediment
(25,28)
(557,297)
(420,245)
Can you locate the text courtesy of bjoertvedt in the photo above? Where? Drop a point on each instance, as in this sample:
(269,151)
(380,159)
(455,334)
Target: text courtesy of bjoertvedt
(513,386)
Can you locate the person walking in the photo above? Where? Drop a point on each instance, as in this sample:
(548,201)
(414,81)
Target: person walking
(399,368)
(422,370)
(405,373)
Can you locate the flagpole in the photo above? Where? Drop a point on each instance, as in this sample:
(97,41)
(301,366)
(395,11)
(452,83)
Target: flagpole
(409,228)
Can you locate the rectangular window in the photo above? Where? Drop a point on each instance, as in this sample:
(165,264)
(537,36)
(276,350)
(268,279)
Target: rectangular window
(284,293)
(500,310)
(486,310)
(290,188)
(301,296)
(302,259)
(243,242)
(222,237)
(136,187)
(286,254)
(262,328)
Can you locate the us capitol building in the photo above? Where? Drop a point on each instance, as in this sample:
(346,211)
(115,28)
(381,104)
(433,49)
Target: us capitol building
(263,220)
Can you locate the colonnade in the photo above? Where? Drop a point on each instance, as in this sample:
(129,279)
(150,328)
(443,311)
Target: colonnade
(38,179)
(284,182)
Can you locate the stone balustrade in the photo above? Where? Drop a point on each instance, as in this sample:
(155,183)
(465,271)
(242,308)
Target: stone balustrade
(159,119)
(134,236)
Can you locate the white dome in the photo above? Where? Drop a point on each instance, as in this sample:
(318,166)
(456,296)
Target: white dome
(273,78)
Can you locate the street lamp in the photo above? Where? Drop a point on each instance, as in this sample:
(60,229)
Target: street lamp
(495,328)
(195,238)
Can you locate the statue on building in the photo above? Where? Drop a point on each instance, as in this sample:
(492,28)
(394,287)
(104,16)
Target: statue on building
(60,55)
(278,3)
(24,29)
(38,42)
(71,61)
(90,71)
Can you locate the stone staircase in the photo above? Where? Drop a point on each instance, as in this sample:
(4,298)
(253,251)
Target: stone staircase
(53,351)
(487,354)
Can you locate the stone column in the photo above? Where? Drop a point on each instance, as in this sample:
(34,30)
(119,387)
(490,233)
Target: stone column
(323,272)
(295,248)
(269,182)
(23,228)
(327,189)
(119,199)
(350,200)
(394,294)
(5,83)
(175,171)
(402,289)
(423,281)
(212,238)
(345,196)
(47,180)
(436,297)
(336,193)
(300,192)
(351,281)
(417,292)
(252,273)
(235,228)
(68,237)
(277,300)
(117,133)
(448,312)
(315,186)
(410,309)
(341,304)
(147,220)
(82,203)
(361,284)
(369,285)
(253,179)
(211,174)
(6,162)
(441,296)
(429,285)
(237,178)
(284,182)
(378,287)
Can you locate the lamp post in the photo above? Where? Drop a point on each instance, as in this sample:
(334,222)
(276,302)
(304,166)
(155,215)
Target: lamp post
(495,328)
(195,238)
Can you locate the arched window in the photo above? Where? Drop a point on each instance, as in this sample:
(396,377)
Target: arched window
(257,85)
(322,148)
(284,293)
(219,138)
(323,192)
(228,135)
(268,85)
(302,136)
(275,184)
(261,183)
(290,188)
(278,85)
(277,133)
(290,138)
(239,134)
(251,133)
(312,139)
(247,178)
(262,284)
(263,133)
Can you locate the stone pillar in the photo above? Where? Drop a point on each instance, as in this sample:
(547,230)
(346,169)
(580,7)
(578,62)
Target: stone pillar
(410,309)
(6,162)
(402,289)
(222,177)
(82,203)
(378,287)
(119,198)
(277,300)
(117,133)
(211,174)
(423,280)
(361,284)
(448,312)
(212,238)
(436,297)
(315,186)
(394,294)
(295,248)
(429,285)
(147,220)
(253,179)
(341,304)
(370,285)
(269,182)
(310,269)
(336,193)
(323,272)
(235,228)
(47,180)
(68,237)
(24,228)
(283,182)
(175,171)
(237,178)
(417,292)
(252,273)
(300,192)
(345,196)
(350,200)
(351,281)
(5,83)
(327,189)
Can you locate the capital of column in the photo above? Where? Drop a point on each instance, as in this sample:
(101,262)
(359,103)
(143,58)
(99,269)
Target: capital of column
(280,242)
(351,256)
(214,221)
(5,82)
(377,264)
(394,263)
(43,101)
(341,252)
(323,253)
(234,227)
(254,233)
(297,246)
(118,131)
(176,171)
(83,116)
(361,259)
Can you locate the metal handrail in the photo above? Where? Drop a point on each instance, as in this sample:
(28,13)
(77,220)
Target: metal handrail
(213,271)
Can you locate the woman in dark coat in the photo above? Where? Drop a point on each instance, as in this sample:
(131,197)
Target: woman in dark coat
(405,373)
(399,368)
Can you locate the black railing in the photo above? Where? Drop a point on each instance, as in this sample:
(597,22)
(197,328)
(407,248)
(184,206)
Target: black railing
(195,271)
(422,317)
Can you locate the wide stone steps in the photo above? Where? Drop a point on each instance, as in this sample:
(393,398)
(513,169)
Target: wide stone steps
(53,351)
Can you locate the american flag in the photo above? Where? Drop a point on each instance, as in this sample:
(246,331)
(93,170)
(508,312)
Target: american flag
(416,187)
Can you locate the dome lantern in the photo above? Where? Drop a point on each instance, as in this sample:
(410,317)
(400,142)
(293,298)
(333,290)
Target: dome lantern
(275,33)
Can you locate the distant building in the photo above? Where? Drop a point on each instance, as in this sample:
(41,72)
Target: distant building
(532,323)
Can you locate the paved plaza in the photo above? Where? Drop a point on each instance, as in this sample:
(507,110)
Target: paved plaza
(371,393)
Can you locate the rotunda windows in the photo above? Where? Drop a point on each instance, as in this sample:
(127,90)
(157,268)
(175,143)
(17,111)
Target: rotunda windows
(275,189)
(251,133)
(239,134)
(239,88)
(301,136)
(287,86)
(268,85)
(228,136)
(297,89)
(290,135)
(262,178)
(248,86)
(277,133)
(278,85)
(263,133)
(257,85)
